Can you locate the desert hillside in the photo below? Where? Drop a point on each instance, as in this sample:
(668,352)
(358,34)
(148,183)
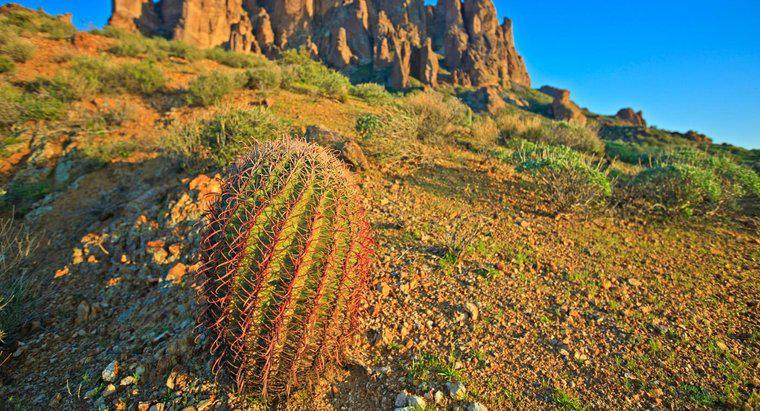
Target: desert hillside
(528,253)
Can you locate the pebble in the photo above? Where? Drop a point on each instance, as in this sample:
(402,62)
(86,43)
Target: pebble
(110,372)
(472,310)
(91,394)
(456,390)
(127,380)
(109,390)
(476,406)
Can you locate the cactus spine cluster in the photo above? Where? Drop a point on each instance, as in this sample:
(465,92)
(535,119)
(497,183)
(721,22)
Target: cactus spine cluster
(285,260)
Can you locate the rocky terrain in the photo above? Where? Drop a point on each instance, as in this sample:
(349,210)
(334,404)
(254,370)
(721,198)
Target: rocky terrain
(483,296)
(403,40)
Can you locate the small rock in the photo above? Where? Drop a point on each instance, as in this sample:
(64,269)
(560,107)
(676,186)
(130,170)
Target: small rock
(456,390)
(176,273)
(400,399)
(416,402)
(143,406)
(83,312)
(110,372)
(91,394)
(438,397)
(109,390)
(127,380)
(476,406)
(472,311)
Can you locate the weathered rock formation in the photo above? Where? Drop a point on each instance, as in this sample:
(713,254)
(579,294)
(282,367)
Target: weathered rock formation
(562,107)
(401,38)
(630,117)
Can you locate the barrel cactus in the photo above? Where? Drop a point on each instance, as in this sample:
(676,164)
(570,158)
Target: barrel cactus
(285,262)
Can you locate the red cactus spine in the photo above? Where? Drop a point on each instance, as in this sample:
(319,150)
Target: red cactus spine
(285,261)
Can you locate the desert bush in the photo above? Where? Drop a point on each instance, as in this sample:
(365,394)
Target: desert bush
(208,89)
(10,110)
(677,188)
(394,142)
(233,59)
(738,186)
(16,246)
(131,46)
(17,105)
(139,78)
(222,137)
(631,153)
(179,49)
(6,65)
(571,181)
(371,93)
(514,125)
(302,74)
(368,125)
(306,260)
(575,136)
(484,133)
(438,115)
(29,21)
(17,49)
(265,78)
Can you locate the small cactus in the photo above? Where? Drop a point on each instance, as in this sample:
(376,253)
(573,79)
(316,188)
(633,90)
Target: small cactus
(285,262)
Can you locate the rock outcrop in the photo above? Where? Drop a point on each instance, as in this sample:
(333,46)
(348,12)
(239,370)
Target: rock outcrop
(403,39)
(562,107)
(485,99)
(630,117)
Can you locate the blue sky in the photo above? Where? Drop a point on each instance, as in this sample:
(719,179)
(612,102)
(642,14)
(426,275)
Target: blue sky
(688,64)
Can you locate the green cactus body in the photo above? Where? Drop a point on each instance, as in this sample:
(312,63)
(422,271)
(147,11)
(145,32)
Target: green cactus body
(285,261)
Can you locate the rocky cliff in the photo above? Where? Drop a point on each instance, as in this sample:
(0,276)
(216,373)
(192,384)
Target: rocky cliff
(402,38)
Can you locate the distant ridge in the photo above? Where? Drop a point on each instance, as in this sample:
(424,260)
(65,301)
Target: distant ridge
(400,40)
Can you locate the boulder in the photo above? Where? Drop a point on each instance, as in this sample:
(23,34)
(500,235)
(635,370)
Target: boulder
(485,99)
(562,107)
(348,150)
(630,117)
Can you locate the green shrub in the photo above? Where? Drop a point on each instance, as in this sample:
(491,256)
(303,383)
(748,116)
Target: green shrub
(6,65)
(739,185)
(265,78)
(131,46)
(569,180)
(302,74)
(233,59)
(138,78)
(178,49)
(677,188)
(371,92)
(29,21)
(208,89)
(42,107)
(368,126)
(17,49)
(575,136)
(224,136)
(438,115)
(631,153)
(10,110)
(16,246)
